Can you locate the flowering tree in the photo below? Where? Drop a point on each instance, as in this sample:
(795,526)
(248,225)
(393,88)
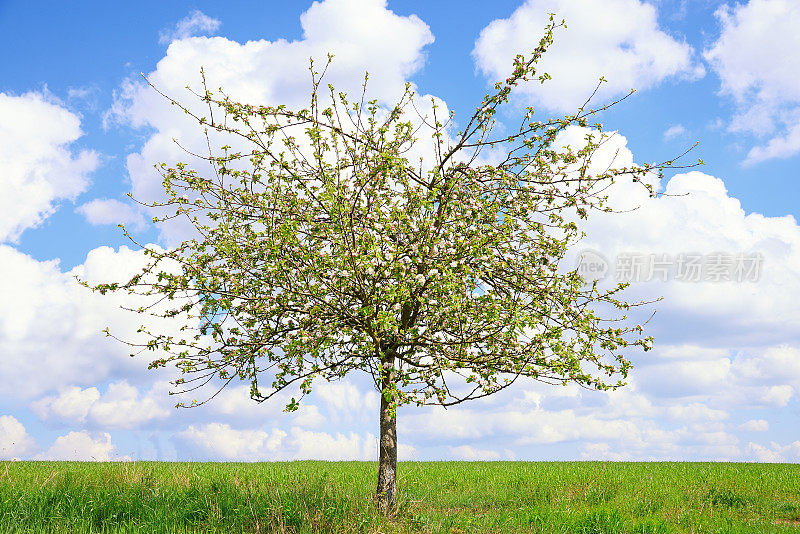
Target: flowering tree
(322,249)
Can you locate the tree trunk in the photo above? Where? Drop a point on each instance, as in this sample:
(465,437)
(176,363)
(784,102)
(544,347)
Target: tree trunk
(386,494)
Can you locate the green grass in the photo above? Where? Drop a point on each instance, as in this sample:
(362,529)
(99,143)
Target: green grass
(451,497)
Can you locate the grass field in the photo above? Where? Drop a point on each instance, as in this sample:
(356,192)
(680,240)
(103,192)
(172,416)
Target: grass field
(451,497)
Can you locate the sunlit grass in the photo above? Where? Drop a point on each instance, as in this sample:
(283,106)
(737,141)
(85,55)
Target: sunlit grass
(454,497)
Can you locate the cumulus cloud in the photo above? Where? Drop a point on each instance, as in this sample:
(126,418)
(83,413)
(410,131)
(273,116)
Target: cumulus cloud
(466,452)
(344,400)
(696,215)
(309,416)
(307,444)
(48,321)
(638,437)
(776,363)
(71,405)
(604,451)
(234,404)
(192,24)
(752,60)
(695,412)
(121,406)
(362,34)
(775,395)
(618,39)
(774,452)
(15,442)
(344,395)
(754,425)
(39,169)
(221,441)
(80,446)
(110,211)
(733,340)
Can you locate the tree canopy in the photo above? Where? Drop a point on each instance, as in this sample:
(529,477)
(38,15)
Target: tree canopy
(355,236)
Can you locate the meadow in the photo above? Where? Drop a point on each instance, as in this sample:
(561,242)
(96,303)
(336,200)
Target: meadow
(449,497)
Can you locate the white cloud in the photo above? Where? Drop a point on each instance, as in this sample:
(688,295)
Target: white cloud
(362,34)
(775,452)
(604,451)
(344,400)
(618,39)
(221,441)
(235,401)
(674,131)
(192,24)
(120,406)
(776,363)
(48,321)
(80,446)
(769,25)
(111,211)
(777,395)
(599,432)
(306,445)
(694,412)
(406,452)
(631,402)
(15,441)
(754,60)
(754,425)
(72,404)
(697,216)
(309,416)
(38,167)
(764,454)
(532,426)
(735,343)
(714,446)
(466,452)
(686,377)
(778,147)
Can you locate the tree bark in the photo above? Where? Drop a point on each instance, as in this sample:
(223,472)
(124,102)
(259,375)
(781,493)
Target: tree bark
(386,494)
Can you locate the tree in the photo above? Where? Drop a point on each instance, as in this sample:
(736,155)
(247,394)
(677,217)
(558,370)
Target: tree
(322,249)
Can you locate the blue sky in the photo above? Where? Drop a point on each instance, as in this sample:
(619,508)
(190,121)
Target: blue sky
(80,132)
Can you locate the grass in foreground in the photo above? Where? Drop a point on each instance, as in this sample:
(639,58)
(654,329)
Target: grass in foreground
(452,497)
